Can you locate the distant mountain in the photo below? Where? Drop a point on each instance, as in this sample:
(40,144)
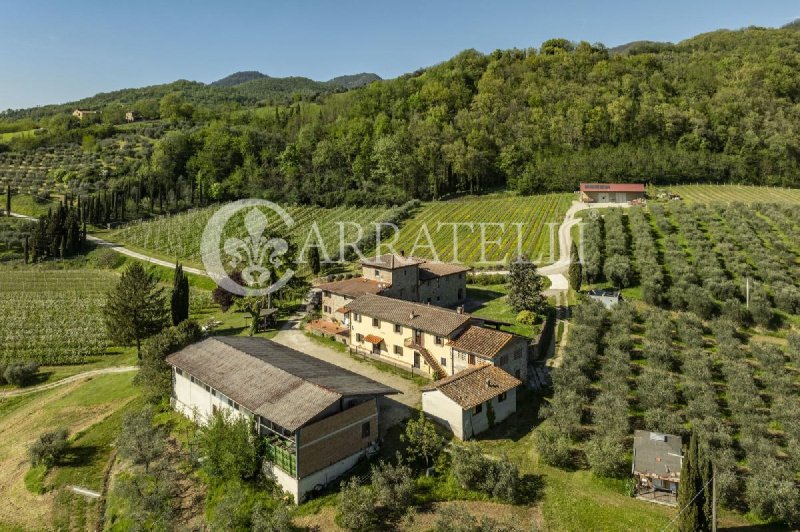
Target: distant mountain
(237,78)
(354,81)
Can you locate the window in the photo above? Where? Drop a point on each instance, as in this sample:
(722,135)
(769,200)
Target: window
(359,337)
(398,328)
(213,392)
(191,379)
(478,409)
(365,429)
(376,322)
(398,350)
(326,294)
(179,371)
(503,360)
(438,298)
(517,374)
(357,317)
(460,276)
(460,294)
(207,387)
(471,359)
(443,362)
(501,397)
(377,273)
(230,401)
(438,340)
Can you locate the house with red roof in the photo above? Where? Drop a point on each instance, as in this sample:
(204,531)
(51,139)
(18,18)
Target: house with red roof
(611,192)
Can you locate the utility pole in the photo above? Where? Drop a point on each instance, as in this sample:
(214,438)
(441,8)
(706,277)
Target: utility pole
(747,292)
(713,498)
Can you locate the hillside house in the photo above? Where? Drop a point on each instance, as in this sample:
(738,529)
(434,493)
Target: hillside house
(470,401)
(611,192)
(318,420)
(657,463)
(429,339)
(81,113)
(399,277)
(131,116)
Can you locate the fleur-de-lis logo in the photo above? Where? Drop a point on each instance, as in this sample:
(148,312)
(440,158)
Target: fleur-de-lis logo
(256,248)
(258,255)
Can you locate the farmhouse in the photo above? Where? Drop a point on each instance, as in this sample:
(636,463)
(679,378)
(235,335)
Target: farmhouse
(470,401)
(317,419)
(611,192)
(657,462)
(131,116)
(400,277)
(431,339)
(81,113)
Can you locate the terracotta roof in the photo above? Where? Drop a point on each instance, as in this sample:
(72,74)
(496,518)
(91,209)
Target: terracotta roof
(371,338)
(285,386)
(657,454)
(435,320)
(612,187)
(357,286)
(390,261)
(474,385)
(482,341)
(431,269)
(327,327)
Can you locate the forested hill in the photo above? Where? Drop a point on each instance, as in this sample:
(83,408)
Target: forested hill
(720,107)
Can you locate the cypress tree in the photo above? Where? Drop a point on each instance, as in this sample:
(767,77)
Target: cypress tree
(575,268)
(525,286)
(8,200)
(179,303)
(691,495)
(313,260)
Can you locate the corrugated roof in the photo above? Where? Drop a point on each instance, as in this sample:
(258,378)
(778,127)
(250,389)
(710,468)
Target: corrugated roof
(355,287)
(657,454)
(390,261)
(435,320)
(482,341)
(612,187)
(283,385)
(474,385)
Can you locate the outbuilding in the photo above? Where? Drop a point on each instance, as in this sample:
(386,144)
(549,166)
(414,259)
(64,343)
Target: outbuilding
(657,463)
(317,420)
(611,192)
(471,401)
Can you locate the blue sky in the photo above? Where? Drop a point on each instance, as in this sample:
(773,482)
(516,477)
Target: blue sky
(54,52)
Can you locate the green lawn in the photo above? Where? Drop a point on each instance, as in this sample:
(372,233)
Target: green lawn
(493,301)
(25,204)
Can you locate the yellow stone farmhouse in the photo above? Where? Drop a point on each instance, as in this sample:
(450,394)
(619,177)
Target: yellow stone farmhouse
(434,340)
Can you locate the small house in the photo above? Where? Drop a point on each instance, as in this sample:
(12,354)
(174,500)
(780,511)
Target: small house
(611,192)
(80,114)
(472,400)
(317,420)
(608,298)
(657,463)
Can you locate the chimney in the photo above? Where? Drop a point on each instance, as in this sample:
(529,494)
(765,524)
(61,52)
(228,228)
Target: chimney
(412,316)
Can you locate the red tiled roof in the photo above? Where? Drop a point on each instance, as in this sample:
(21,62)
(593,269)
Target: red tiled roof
(612,187)
(474,385)
(371,338)
(355,287)
(482,341)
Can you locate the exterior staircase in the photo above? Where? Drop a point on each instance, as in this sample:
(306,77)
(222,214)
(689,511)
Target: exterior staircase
(438,371)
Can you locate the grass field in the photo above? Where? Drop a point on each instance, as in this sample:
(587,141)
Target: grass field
(5,137)
(730,193)
(53,316)
(91,410)
(532,212)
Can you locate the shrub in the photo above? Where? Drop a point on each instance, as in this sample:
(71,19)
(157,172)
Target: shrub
(106,259)
(553,446)
(20,373)
(49,448)
(393,484)
(228,446)
(526,317)
(147,498)
(606,456)
(356,507)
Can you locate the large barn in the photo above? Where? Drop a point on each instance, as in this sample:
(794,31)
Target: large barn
(611,192)
(317,419)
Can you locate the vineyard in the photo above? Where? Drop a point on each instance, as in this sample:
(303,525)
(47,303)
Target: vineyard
(710,345)
(53,317)
(532,212)
(179,236)
(730,193)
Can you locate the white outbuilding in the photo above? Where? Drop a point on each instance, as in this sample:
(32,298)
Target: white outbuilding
(469,401)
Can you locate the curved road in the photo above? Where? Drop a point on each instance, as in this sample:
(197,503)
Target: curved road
(72,378)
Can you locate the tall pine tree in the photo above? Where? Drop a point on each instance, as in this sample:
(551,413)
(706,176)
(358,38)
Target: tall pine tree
(313,260)
(575,268)
(179,303)
(136,308)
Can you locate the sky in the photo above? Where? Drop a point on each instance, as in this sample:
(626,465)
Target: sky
(59,51)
